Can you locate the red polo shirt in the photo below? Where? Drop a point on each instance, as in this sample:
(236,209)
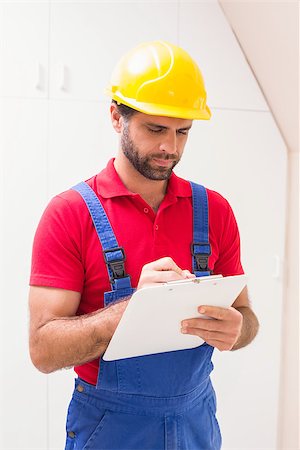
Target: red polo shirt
(67,252)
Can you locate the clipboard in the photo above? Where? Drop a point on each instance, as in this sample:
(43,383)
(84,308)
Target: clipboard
(151,322)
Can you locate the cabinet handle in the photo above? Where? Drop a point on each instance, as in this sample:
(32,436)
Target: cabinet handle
(39,77)
(277,268)
(64,79)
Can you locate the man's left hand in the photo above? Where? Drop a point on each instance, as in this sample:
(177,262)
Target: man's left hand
(222,330)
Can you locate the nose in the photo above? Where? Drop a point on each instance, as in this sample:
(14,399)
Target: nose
(169,143)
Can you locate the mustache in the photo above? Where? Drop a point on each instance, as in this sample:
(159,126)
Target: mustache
(165,157)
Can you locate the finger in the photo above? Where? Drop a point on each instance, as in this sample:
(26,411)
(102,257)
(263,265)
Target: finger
(166,263)
(188,274)
(205,324)
(209,336)
(161,276)
(216,312)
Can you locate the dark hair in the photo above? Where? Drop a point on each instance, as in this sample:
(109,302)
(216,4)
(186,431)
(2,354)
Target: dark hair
(125,111)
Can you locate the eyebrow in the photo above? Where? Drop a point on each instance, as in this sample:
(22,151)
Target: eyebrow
(151,124)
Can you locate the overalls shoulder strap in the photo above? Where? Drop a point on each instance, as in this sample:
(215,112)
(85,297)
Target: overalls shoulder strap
(200,247)
(114,255)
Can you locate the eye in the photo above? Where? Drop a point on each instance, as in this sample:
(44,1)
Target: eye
(185,132)
(155,130)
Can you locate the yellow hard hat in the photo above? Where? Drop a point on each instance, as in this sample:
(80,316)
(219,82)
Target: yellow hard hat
(161,79)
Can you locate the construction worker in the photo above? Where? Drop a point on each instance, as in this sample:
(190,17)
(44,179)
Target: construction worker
(133,225)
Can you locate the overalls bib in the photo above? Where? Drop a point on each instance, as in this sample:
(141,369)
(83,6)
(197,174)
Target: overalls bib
(156,402)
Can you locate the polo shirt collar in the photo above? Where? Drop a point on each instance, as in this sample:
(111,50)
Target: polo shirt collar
(110,185)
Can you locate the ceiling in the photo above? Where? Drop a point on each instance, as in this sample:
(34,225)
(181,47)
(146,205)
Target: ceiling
(268,33)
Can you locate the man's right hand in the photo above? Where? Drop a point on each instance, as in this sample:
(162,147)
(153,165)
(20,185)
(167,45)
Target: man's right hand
(154,273)
(161,271)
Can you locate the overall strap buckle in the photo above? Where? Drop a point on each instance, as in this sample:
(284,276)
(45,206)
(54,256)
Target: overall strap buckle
(201,252)
(114,259)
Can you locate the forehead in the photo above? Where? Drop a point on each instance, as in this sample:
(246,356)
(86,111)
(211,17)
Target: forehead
(168,122)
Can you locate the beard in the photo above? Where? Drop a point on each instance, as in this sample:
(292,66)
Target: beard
(143,163)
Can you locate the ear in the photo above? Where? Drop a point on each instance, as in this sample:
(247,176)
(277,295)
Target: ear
(116,118)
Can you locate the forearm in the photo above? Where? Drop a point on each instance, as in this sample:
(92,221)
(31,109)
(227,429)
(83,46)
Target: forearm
(70,341)
(249,328)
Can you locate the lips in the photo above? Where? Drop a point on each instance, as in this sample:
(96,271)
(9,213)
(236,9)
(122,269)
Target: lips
(164,162)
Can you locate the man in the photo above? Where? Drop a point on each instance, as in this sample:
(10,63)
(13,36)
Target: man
(81,281)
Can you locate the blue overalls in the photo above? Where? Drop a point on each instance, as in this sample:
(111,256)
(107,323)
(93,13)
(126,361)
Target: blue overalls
(162,401)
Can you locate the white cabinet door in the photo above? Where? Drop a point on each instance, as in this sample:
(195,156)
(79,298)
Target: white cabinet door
(23,389)
(241,155)
(206,34)
(24,50)
(81,140)
(88,38)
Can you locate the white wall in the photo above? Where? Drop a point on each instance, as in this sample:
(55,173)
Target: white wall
(56,58)
(288,432)
(273,54)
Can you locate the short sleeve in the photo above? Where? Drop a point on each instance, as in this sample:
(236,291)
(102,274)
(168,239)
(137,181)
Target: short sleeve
(56,255)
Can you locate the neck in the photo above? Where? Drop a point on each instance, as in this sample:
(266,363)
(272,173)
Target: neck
(152,191)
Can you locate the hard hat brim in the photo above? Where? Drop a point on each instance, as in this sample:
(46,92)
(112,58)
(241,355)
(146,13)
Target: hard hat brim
(156,109)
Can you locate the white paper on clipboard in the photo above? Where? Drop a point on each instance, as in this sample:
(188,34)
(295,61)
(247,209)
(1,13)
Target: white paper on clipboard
(151,322)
